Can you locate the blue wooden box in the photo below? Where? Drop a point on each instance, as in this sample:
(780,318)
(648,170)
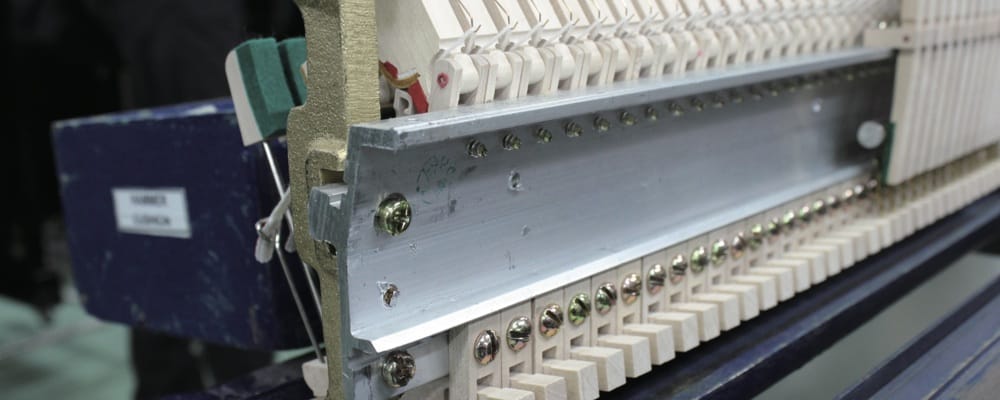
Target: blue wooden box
(187,267)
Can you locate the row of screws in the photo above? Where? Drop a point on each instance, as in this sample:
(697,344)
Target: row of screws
(678,107)
(398,367)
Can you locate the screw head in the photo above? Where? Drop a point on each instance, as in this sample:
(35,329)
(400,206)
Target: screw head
(832,202)
(847,197)
(678,268)
(652,114)
(773,229)
(627,118)
(605,298)
(550,320)
(389,295)
(699,259)
(675,108)
(631,288)
(477,149)
(756,237)
(573,129)
(720,250)
(579,309)
(805,214)
(511,142)
(788,221)
(860,192)
(718,101)
(393,214)
(819,207)
(697,104)
(738,245)
(398,368)
(656,278)
(543,135)
(518,333)
(602,124)
(735,96)
(486,346)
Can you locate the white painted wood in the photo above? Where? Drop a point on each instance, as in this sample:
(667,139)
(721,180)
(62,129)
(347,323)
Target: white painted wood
(495,393)
(636,349)
(580,377)
(661,340)
(746,295)
(800,271)
(726,304)
(784,280)
(683,325)
(610,364)
(544,387)
(816,260)
(708,318)
(767,288)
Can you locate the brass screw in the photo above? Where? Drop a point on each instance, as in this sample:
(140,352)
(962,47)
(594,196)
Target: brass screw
(393,214)
(518,333)
(735,96)
(631,288)
(678,268)
(656,278)
(543,135)
(627,118)
(773,229)
(819,207)
(550,320)
(738,245)
(697,104)
(720,251)
(832,202)
(756,237)
(675,109)
(486,346)
(398,369)
(860,192)
(605,298)
(699,259)
(573,129)
(511,142)
(602,124)
(847,197)
(805,214)
(477,149)
(718,101)
(579,309)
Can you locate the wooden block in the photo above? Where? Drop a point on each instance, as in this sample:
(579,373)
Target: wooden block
(831,253)
(610,364)
(727,304)
(683,325)
(580,376)
(817,263)
(746,295)
(845,246)
(495,393)
(767,289)
(636,348)
(544,387)
(661,340)
(800,271)
(784,280)
(708,318)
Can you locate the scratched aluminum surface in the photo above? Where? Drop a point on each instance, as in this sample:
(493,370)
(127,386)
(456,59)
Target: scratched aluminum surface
(479,243)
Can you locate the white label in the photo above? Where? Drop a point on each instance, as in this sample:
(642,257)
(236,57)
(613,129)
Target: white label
(154,212)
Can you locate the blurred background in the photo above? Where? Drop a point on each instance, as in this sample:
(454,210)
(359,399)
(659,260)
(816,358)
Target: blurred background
(74,58)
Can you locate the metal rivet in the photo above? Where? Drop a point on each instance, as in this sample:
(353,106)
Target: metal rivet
(678,268)
(805,214)
(631,288)
(477,149)
(699,259)
(652,114)
(675,108)
(398,368)
(550,320)
(737,246)
(573,129)
(656,278)
(511,142)
(579,309)
(543,135)
(605,297)
(788,221)
(832,202)
(486,346)
(519,333)
(627,118)
(393,214)
(756,236)
(602,124)
(389,295)
(819,207)
(720,251)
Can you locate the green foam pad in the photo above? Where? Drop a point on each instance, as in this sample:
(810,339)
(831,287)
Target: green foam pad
(293,55)
(259,88)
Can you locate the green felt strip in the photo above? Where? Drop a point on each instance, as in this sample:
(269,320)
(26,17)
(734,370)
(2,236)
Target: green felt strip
(293,55)
(264,80)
